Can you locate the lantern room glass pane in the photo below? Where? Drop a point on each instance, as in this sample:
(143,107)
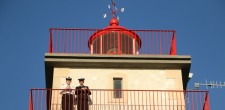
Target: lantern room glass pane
(114,42)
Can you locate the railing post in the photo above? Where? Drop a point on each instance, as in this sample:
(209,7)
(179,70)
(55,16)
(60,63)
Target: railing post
(31,101)
(50,49)
(101,45)
(134,47)
(119,43)
(92,51)
(173,50)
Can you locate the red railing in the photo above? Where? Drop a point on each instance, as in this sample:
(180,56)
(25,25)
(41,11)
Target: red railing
(70,40)
(102,99)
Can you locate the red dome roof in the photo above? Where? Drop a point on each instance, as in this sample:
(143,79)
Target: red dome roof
(114,26)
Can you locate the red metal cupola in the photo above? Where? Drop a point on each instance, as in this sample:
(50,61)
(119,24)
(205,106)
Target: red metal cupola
(114,39)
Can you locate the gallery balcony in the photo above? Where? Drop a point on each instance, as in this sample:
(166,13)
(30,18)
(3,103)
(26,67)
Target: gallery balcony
(112,41)
(107,99)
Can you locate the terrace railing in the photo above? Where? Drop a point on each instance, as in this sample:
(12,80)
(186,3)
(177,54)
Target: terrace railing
(105,99)
(71,40)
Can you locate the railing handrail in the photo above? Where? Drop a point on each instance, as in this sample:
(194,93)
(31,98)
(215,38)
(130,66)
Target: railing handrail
(94,29)
(128,90)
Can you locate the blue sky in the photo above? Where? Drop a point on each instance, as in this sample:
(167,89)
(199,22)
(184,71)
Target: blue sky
(24,24)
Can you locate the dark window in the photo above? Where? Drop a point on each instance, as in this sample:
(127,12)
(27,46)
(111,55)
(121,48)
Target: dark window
(117,86)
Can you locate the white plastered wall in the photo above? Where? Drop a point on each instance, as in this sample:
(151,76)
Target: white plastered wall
(132,78)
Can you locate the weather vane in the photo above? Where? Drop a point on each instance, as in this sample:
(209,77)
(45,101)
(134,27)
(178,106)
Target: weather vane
(113,10)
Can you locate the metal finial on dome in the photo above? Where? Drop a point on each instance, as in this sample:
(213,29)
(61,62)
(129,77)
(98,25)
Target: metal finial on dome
(114,22)
(113,10)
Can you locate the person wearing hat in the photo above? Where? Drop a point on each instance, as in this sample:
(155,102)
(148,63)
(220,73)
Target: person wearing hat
(67,95)
(83,97)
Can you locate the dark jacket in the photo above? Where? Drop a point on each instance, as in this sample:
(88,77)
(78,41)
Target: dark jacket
(82,92)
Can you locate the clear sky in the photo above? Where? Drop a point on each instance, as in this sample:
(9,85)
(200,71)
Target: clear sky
(24,24)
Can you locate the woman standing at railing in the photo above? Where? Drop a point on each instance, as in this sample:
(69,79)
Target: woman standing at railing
(82,93)
(67,95)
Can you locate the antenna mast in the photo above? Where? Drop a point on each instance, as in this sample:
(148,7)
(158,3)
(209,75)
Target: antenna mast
(211,84)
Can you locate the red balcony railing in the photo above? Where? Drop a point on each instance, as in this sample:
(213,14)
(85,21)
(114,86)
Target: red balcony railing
(70,40)
(101,99)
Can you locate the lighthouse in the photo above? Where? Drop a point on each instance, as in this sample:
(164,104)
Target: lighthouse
(125,69)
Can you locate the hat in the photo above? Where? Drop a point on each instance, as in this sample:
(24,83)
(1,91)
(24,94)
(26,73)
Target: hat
(68,78)
(81,79)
